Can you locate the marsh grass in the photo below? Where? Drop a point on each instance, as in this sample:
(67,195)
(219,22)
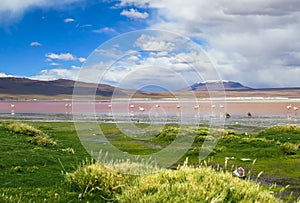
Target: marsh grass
(193,184)
(186,184)
(41,178)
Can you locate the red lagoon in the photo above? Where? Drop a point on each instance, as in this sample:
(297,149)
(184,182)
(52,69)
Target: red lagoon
(205,107)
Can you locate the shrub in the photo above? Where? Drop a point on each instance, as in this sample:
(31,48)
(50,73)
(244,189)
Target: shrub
(36,136)
(290,148)
(25,129)
(42,141)
(284,128)
(168,134)
(95,178)
(16,169)
(69,150)
(193,185)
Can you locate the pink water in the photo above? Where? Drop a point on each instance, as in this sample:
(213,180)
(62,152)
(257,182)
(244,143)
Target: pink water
(257,108)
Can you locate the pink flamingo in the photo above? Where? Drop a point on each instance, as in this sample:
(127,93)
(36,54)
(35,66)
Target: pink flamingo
(131,112)
(178,110)
(289,107)
(12,106)
(196,107)
(141,109)
(295,109)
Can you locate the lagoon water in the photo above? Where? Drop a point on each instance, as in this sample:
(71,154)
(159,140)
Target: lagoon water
(263,112)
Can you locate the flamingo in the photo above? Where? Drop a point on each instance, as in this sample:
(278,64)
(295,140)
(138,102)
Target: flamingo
(12,106)
(295,109)
(221,111)
(213,112)
(289,107)
(141,109)
(178,110)
(157,105)
(196,107)
(131,112)
(109,106)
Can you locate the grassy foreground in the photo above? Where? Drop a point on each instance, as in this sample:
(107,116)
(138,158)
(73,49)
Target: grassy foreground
(51,170)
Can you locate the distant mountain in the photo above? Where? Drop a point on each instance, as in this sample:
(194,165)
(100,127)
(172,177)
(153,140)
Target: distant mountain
(26,89)
(25,86)
(216,85)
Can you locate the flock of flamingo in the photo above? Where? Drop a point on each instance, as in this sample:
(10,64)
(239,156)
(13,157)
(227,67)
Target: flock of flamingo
(178,106)
(291,110)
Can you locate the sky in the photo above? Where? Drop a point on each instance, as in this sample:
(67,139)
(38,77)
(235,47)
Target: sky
(255,42)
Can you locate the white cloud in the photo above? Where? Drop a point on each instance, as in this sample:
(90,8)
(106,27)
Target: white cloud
(4,75)
(85,25)
(14,9)
(64,57)
(35,44)
(57,73)
(69,20)
(146,42)
(135,70)
(105,30)
(251,41)
(81,59)
(134,14)
(54,64)
(76,67)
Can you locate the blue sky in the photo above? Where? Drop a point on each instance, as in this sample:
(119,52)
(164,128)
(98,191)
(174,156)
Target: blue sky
(255,42)
(44,38)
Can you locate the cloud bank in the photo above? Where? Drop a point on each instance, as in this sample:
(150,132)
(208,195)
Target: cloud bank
(255,42)
(11,10)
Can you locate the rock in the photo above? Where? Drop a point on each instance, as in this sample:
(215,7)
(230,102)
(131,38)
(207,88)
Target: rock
(245,159)
(240,172)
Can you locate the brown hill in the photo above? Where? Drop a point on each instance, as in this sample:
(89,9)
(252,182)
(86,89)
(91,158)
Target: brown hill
(27,89)
(14,87)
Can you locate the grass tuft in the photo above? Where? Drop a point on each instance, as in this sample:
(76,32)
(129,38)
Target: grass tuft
(36,136)
(95,178)
(290,148)
(188,184)
(23,128)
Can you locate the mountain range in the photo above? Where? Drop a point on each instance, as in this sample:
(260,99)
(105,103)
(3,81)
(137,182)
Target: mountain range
(12,88)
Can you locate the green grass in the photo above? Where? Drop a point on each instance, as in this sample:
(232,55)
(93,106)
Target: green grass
(189,184)
(34,172)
